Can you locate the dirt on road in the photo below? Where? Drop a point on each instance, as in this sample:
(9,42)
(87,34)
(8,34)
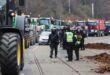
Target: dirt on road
(98,46)
(104,58)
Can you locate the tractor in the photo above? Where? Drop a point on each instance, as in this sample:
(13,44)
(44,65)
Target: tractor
(12,39)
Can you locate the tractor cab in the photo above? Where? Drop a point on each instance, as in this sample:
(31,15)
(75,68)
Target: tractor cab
(46,23)
(92,27)
(57,24)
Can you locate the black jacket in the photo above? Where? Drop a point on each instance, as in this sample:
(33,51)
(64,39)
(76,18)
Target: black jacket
(53,39)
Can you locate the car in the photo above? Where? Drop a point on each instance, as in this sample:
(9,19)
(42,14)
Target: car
(43,37)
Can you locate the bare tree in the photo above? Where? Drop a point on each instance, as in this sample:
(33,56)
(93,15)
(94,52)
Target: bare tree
(58,8)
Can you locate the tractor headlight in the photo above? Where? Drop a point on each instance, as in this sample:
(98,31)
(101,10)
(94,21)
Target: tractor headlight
(12,14)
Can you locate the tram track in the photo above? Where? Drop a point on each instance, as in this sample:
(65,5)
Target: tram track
(68,65)
(38,66)
(37,63)
(41,72)
(71,67)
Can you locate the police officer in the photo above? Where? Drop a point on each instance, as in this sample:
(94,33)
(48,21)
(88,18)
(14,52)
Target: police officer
(82,40)
(54,41)
(69,39)
(77,44)
(62,37)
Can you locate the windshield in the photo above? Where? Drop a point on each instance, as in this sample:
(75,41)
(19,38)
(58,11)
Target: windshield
(107,24)
(57,22)
(44,21)
(2,12)
(92,23)
(45,33)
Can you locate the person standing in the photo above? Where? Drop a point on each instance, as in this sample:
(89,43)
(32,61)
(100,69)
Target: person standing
(63,39)
(53,41)
(60,37)
(69,39)
(82,40)
(77,44)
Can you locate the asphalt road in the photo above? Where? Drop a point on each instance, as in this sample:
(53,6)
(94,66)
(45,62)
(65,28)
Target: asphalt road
(37,61)
(105,39)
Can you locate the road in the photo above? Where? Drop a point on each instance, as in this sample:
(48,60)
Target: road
(37,61)
(105,39)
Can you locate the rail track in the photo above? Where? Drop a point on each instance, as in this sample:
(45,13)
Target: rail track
(38,66)
(68,65)
(37,63)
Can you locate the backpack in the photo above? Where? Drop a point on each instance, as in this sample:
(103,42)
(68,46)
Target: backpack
(69,37)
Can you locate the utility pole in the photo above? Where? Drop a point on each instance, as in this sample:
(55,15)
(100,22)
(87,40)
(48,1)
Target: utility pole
(92,10)
(69,3)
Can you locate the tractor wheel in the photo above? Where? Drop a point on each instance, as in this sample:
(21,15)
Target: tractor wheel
(10,54)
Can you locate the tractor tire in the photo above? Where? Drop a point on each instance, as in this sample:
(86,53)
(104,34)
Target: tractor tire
(10,54)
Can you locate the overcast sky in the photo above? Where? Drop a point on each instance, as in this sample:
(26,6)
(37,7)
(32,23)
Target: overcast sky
(2,2)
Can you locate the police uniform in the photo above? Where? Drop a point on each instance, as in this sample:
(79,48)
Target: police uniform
(77,45)
(69,44)
(82,41)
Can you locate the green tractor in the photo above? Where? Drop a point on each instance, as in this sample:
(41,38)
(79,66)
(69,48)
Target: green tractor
(12,41)
(45,23)
(33,26)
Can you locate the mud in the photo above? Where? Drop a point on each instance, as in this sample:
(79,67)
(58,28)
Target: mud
(104,59)
(98,46)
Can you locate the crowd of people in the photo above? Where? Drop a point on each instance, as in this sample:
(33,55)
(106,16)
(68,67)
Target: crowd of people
(69,40)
